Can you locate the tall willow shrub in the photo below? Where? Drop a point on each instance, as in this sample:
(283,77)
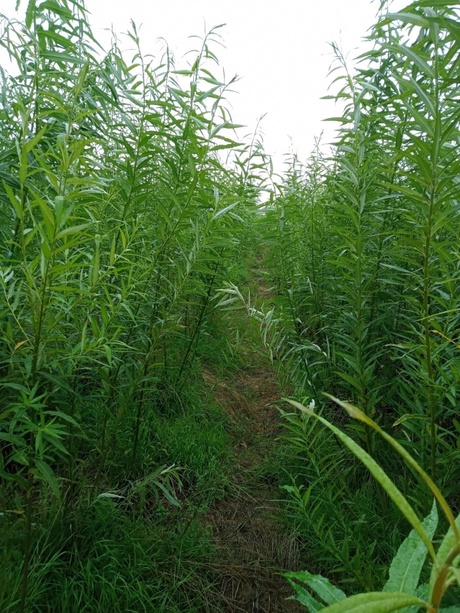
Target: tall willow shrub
(117,217)
(390,317)
(385,332)
(296,231)
(424,79)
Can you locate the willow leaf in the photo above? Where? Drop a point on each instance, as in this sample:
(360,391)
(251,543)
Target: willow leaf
(225,210)
(412,18)
(322,586)
(407,564)
(30,12)
(379,474)
(358,414)
(413,57)
(374,602)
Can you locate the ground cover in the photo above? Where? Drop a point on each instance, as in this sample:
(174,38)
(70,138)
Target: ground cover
(254,544)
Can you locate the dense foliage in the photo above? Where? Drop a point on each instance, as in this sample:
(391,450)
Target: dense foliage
(118,220)
(365,249)
(127,208)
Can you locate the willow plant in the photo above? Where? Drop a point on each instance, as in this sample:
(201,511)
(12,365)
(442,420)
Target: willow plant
(387,211)
(117,211)
(390,308)
(426,93)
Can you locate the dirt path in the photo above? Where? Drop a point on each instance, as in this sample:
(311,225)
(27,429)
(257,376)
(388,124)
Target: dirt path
(253,545)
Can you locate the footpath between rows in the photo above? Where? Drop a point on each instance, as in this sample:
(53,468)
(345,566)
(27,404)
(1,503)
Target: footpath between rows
(253,544)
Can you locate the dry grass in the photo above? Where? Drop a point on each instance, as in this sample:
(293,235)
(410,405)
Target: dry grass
(253,547)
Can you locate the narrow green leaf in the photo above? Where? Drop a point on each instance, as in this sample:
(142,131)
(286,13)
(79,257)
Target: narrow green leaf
(412,18)
(81,78)
(61,58)
(322,586)
(110,495)
(225,210)
(374,602)
(36,139)
(72,230)
(95,264)
(379,474)
(358,414)
(44,472)
(15,202)
(30,13)
(55,7)
(413,57)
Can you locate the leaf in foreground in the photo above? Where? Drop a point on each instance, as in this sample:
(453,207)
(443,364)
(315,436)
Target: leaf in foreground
(407,564)
(375,602)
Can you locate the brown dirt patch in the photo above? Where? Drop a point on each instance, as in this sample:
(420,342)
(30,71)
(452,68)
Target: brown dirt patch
(252,544)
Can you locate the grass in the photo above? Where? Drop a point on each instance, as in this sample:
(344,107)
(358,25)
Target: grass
(199,443)
(127,549)
(103,559)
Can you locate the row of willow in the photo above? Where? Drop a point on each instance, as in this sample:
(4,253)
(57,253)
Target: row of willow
(119,221)
(118,218)
(367,243)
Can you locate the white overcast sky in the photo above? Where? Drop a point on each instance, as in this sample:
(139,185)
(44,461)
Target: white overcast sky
(279,48)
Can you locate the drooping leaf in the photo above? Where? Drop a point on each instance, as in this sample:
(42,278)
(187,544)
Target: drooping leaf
(358,414)
(379,474)
(45,473)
